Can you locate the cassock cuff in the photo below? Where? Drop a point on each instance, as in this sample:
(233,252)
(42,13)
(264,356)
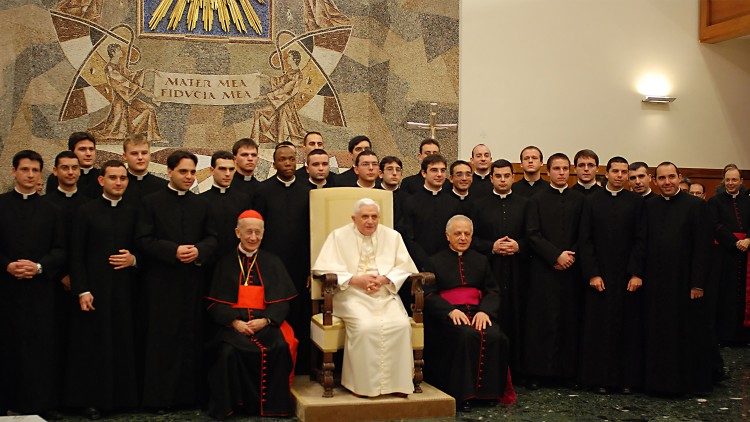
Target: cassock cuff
(84,293)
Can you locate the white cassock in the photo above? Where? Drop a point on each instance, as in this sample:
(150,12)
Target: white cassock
(378,357)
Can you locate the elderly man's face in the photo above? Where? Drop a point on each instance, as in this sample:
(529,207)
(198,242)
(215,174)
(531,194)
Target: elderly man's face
(250,233)
(366,219)
(459,235)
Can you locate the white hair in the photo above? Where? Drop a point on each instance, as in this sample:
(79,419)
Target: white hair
(456,218)
(365,202)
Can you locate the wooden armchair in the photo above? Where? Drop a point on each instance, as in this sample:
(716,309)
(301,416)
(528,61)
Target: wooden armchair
(330,209)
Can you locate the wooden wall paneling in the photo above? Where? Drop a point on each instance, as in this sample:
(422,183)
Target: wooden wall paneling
(722,20)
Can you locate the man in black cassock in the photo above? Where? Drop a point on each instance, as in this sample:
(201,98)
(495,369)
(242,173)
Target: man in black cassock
(83,145)
(101,359)
(466,352)
(555,289)
(32,251)
(677,249)
(481,161)
(532,182)
(313,141)
(225,203)
(427,212)
(253,349)
(612,242)
(137,155)
(284,202)
(413,183)
(587,163)
(356,145)
(367,169)
(461,178)
(175,233)
(67,198)
(730,215)
(317,170)
(499,233)
(391,172)
(640,179)
(245,153)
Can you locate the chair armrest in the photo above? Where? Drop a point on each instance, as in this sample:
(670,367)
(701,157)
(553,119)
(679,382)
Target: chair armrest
(330,282)
(418,281)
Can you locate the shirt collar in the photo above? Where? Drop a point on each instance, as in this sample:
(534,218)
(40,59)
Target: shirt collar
(482,176)
(502,195)
(385,187)
(179,192)
(112,202)
(219,188)
(25,195)
(317,186)
(137,176)
(561,190)
(647,193)
(86,170)
(531,182)
(286,184)
(588,185)
(457,252)
(66,193)
(367,187)
(613,192)
(733,195)
(244,252)
(461,197)
(670,197)
(433,192)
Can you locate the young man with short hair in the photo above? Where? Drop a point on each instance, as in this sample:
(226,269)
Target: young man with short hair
(136,152)
(314,141)
(640,179)
(413,183)
(698,190)
(32,252)
(318,170)
(481,161)
(531,163)
(367,169)
(83,144)
(356,145)
(245,153)
(175,233)
(587,163)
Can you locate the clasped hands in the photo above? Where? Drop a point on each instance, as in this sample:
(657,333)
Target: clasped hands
(23,268)
(505,246)
(251,327)
(479,322)
(370,283)
(743,244)
(187,253)
(565,260)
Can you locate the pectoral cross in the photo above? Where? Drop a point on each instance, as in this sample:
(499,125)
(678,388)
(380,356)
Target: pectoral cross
(431,125)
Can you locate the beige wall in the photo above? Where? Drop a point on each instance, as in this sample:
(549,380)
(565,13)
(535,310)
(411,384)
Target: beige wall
(564,74)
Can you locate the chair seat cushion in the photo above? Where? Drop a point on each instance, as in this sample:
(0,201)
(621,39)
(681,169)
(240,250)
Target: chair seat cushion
(328,338)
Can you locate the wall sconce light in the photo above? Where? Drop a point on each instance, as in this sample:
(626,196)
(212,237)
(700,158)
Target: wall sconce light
(658,99)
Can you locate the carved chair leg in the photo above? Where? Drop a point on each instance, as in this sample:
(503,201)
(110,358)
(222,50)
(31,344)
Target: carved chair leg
(418,376)
(328,367)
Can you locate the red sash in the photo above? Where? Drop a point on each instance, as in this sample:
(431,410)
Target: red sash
(746,322)
(462,296)
(254,297)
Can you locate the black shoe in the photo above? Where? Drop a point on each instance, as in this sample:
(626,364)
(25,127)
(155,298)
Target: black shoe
(627,391)
(92,413)
(464,407)
(601,390)
(52,415)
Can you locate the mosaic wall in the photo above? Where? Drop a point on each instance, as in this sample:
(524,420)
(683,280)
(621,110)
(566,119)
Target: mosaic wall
(201,79)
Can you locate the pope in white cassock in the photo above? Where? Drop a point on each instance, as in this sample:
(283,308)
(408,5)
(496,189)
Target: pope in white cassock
(371,263)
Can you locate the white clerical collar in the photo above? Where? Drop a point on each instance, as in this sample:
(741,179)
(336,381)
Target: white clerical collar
(531,182)
(138,177)
(67,194)
(86,170)
(286,184)
(588,185)
(221,189)
(179,192)
(24,195)
(385,187)
(613,192)
(502,195)
(482,176)
(461,197)
(317,185)
(733,195)
(246,253)
(434,192)
(451,248)
(647,193)
(366,187)
(670,197)
(561,190)
(112,202)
